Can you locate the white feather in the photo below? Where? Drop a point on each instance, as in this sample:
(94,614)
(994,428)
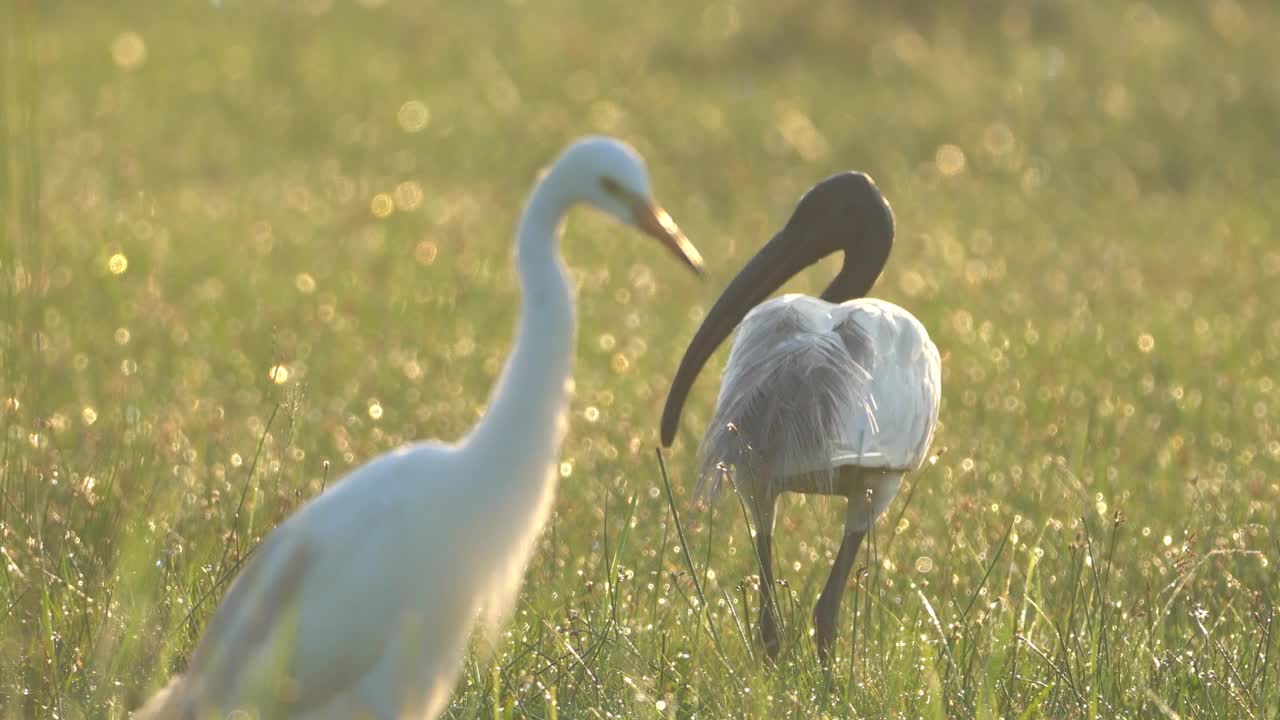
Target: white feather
(361,604)
(811,386)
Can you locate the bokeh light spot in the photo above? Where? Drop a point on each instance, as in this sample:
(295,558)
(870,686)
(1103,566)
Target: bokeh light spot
(414,116)
(279,374)
(381,205)
(620,363)
(129,50)
(305,283)
(425,252)
(949,160)
(408,195)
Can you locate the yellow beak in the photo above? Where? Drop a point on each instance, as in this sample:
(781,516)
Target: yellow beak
(655,222)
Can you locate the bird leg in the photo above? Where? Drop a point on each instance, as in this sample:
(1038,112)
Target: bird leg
(824,613)
(764,549)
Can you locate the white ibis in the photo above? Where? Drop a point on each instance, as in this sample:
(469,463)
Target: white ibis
(836,395)
(361,603)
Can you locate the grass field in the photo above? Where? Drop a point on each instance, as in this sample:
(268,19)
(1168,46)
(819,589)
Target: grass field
(245,248)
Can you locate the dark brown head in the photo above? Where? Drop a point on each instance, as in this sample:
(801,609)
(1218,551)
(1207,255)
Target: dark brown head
(844,213)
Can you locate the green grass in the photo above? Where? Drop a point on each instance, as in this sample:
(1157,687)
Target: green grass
(1097,540)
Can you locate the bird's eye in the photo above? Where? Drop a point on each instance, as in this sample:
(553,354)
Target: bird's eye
(611,186)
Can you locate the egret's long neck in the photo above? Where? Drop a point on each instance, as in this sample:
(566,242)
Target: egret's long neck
(524,418)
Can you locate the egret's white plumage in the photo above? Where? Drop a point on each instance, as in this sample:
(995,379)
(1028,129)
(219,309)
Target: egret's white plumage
(362,602)
(835,395)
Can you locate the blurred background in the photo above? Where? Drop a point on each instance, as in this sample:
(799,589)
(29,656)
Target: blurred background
(248,245)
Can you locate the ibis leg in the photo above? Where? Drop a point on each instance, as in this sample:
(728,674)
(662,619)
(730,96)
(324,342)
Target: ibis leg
(828,607)
(764,548)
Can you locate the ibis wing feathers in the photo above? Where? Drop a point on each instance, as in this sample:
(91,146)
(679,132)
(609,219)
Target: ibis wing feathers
(793,377)
(810,386)
(906,389)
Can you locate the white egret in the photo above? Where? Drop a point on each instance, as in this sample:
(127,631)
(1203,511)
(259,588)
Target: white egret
(830,395)
(361,603)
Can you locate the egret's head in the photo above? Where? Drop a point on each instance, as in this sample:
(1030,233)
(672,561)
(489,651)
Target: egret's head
(610,175)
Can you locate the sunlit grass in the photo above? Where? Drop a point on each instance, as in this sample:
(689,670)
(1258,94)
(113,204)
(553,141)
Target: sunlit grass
(246,248)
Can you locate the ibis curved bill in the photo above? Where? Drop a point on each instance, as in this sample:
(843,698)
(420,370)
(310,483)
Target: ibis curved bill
(834,395)
(362,602)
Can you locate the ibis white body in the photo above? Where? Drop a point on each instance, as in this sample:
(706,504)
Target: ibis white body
(813,386)
(831,399)
(835,395)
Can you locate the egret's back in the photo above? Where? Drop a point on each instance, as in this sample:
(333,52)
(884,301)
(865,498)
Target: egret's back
(320,624)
